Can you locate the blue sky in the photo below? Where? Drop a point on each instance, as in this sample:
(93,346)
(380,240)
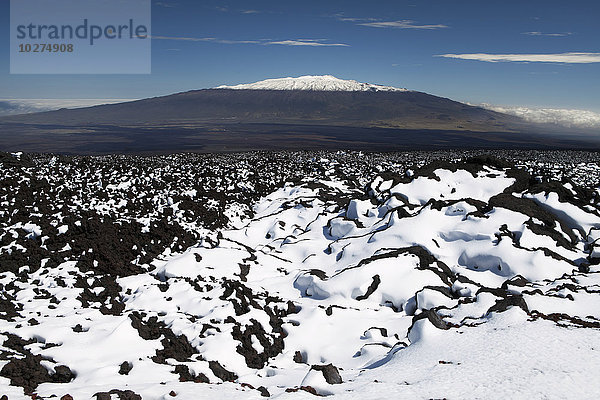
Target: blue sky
(441,47)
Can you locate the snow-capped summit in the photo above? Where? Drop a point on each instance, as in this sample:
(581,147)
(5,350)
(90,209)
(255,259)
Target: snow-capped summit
(315,83)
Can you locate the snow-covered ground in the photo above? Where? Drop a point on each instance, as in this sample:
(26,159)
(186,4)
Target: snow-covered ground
(292,275)
(314,82)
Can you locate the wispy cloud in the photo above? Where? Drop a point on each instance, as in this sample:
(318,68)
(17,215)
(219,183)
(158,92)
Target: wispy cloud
(402,24)
(380,23)
(343,18)
(27,106)
(206,39)
(248,11)
(306,42)
(561,58)
(164,4)
(548,34)
(266,42)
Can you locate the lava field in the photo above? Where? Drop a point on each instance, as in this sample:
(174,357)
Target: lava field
(299,274)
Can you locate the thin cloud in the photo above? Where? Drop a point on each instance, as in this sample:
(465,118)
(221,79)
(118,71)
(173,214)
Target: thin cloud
(402,24)
(306,42)
(206,39)
(266,42)
(247,11)
(548,34)
(163,4)
(379,23)
(343,18)
(348,19)
(561,58)
(27,106)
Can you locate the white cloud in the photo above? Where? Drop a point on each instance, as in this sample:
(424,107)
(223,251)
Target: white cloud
(164,4)
(402,24)
(564,117)
(206,39)
(379,23)
(562,58)
(305,42)
(342,17)
(547,34)
(287,42)
(27,106)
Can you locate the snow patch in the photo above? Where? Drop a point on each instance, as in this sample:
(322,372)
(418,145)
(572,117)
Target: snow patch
(313,83)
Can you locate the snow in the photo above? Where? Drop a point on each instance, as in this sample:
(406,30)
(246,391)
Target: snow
(452,186)
(412,287)
(572,215)
(507,357)
(314,83)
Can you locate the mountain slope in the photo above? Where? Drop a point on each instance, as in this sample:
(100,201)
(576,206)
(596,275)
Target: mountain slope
(289,113)
(305,100)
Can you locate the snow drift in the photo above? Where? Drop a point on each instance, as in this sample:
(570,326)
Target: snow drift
(396,288)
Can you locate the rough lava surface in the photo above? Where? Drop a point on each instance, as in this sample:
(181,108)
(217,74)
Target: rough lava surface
(294,275)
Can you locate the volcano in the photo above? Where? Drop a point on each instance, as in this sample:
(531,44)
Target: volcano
(315,112)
